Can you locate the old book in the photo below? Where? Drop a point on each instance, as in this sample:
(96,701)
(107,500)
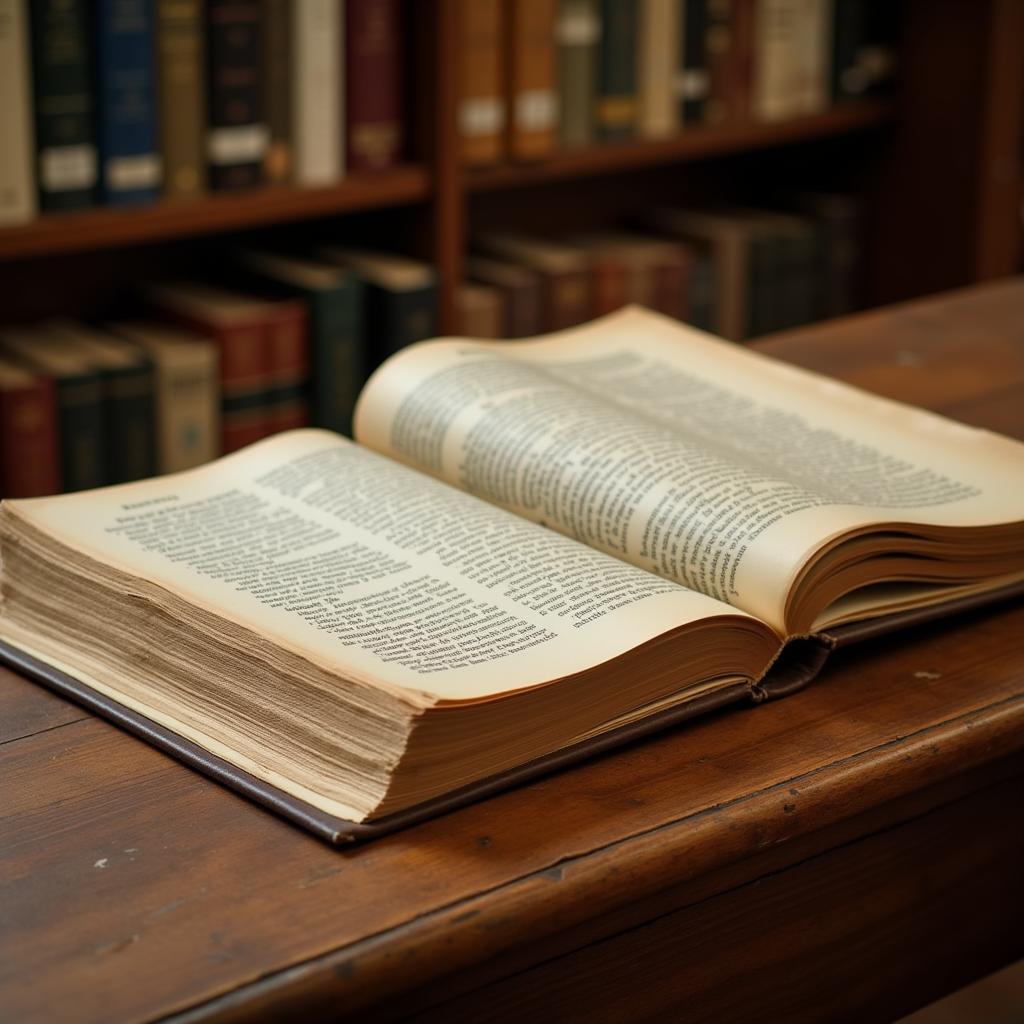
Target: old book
(578,34)
(126,129)
(815,21)
(181,96)
(660,35)
(694,85)
(287,364)
(742,58)
(317,100)
(78,402)
(534,551)
(126,383)
(29,445)
(522,293)
(400,295)
(278,77)
(65,127)
(481,311)
(481,112)
(236,136)
(186,391)
(532,71)
(373,83)
(333,297)
(237,323)
(615,108)
(567,295)
(720,51)
(17,182)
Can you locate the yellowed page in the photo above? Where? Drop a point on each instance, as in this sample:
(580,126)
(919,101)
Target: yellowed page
(372,570)
(687,456)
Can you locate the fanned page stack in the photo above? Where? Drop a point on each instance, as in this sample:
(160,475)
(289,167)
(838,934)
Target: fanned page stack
(535,549)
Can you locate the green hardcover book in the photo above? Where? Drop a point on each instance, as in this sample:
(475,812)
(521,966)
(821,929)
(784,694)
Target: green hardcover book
(401,299)
(334,301)
(616,101)
(79,402)
(66,162)
(126,375)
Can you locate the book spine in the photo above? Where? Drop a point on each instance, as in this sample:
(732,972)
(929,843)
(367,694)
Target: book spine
(532,101)
(718,47)
(130,169)
(399,318)
(187,412)
(744,30)
(128,414)
(29,456)
(373,86)
(776,57)
(849,33)
(317,99)
(181,92)
(336,355)
(277,89)
(616,106)
(482,114)
(288,355)
(17,189)
(569,299)
(658,60)
(80,427)
(672,286)
(816,55)
(236,139)
(695,84)
(66,165)
(610,280)
(702,292)
(578,32)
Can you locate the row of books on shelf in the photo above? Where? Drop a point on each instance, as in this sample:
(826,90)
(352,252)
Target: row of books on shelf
(124,101)
(539,75)
(279,341)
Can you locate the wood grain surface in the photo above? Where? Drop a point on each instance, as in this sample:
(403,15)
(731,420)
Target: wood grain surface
(835,842)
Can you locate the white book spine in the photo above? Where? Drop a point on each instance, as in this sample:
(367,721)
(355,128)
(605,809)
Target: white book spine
(17,186)
(318,70)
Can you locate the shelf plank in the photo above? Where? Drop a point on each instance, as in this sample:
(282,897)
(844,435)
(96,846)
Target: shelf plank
(696,144)
(106,228)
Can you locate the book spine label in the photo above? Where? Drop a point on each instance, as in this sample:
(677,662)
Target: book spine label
(317,98)
(29,457)
(373,88)
(337,361)
(181,90)
(288,354)
(482,113)
(694,83)
(126,102)
(17,189)
(188,413)
(80,420)
(578,32)
(277,89)
(237,137)
(616,109)
(128,424)
(532,99)
(66,163)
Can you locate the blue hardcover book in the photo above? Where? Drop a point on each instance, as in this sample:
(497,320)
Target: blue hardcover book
(126,102)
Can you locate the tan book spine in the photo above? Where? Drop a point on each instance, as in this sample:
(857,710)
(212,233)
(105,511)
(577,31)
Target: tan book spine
(533,99)
(660,37)
(17,146)
(481,114)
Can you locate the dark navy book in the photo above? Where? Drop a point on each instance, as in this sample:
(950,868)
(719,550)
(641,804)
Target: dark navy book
(130,170)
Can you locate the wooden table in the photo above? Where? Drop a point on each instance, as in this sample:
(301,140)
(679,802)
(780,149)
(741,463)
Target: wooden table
(848,853)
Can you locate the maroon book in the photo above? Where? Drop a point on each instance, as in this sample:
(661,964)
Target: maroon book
(29,454)
(373,87)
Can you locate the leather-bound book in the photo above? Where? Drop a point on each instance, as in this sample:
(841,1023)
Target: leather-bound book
(277,89)
(521,289)
(288,355)
(236,140)
(694,81)
(719,48)
(373,89)
(533,101)
(17,154)
(181,93)
(481,114)
(578,34)
(29,453)
(129,148)
(481,311)
(65,129)
(744,32)
(659,39)
(616,102)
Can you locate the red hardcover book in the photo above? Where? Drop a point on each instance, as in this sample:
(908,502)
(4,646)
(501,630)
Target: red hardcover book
(239,326)
(29,453)
(288,354)
(373,86)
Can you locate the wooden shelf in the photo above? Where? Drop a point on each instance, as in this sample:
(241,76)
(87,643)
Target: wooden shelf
(105,227)
(697,144)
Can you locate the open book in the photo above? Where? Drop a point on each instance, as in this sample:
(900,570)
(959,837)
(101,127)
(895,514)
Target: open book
(534,548)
